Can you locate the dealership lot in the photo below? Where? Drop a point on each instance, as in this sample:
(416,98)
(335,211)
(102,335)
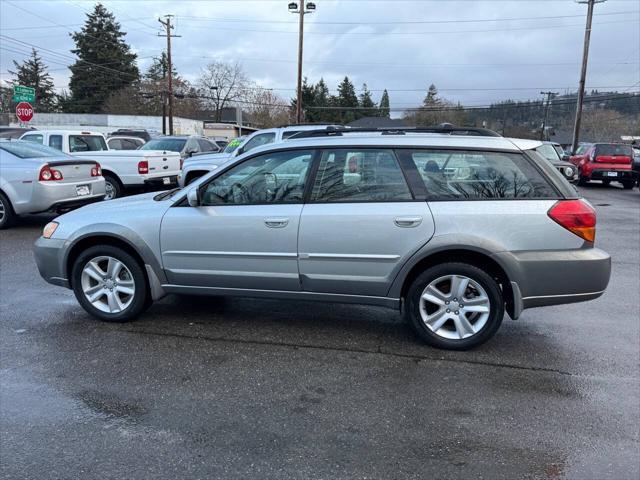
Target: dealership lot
(230,388)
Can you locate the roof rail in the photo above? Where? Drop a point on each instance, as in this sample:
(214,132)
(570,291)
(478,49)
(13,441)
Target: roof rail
(443,129)
(318,124)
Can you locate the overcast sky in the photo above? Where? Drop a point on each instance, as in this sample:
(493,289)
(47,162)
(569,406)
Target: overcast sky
(474,51)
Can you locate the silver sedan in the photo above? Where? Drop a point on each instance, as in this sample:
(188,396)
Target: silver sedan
(35,178)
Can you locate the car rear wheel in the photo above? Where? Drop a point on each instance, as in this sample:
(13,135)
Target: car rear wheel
(7,215)
(455,306)
(628,184)
(112,187)
(606,183)
(110,284)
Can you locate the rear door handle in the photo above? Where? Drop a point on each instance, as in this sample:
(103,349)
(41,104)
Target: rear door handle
(407,222)
(276,222)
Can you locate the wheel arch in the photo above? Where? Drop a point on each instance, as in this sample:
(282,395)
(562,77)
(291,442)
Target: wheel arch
(461,254)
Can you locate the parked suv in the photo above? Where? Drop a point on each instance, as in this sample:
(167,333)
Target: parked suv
(609,162)
(453,227)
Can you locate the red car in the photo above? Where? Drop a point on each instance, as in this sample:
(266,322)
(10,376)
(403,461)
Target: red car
(609,162)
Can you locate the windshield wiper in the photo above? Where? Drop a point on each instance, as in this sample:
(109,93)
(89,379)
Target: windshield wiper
(167,194)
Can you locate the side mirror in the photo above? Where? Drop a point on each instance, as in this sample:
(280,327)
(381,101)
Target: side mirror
(193,197)
(191,151)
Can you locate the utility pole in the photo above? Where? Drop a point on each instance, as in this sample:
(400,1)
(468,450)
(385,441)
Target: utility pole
(549,95)
(583,73)
(168,27)
(301,10)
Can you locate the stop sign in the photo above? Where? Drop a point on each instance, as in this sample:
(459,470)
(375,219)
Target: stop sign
(24,111)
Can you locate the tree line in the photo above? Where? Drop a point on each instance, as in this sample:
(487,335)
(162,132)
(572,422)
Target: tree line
(105,78)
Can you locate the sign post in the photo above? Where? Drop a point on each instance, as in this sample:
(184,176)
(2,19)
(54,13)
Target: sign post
(24,112)
(24,94)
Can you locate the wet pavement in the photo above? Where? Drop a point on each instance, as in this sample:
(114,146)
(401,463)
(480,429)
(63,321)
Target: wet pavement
(245,388)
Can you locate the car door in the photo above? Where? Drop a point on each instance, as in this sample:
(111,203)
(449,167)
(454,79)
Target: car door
(244,233)
(361,223)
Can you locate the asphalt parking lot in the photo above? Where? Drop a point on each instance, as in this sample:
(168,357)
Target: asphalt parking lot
(244,388)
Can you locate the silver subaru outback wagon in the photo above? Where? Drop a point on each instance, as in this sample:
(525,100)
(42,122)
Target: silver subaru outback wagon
(452,227)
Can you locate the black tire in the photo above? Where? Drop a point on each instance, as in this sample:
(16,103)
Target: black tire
(491,287)
(581,180)
(628,184)
(112,184)
(606,183)
(141,297)
(7,215)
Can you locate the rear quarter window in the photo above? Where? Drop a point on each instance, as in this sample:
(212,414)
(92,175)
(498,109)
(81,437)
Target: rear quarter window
(472,175)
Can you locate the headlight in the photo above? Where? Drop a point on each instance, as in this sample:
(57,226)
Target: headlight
(49,229)
(568,172)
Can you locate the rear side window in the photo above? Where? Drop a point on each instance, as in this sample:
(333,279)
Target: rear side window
(36,138)
(55,141)
(86,143)
(452,175)
(360,175)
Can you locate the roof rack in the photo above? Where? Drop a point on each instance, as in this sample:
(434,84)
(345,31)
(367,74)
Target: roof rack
(442,129)
(314,124)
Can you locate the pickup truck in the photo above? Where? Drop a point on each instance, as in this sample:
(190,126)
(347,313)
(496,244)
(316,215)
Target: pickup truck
(122,169)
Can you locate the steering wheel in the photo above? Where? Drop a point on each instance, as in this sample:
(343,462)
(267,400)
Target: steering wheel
(240,193)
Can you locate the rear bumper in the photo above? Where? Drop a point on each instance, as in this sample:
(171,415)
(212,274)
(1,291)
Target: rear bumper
(557,277)
(53,196)
(604,174)
(160,182)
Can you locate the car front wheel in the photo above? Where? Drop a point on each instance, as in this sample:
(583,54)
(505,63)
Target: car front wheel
(455,306)
(110,284)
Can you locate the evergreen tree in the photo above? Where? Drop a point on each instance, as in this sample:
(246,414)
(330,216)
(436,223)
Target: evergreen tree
(33,73)
(384,105)
(431,100)
(105,63)
(366,102)
(159,68)
(347,99)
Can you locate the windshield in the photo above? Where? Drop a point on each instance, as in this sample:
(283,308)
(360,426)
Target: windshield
(170,144)
(548,152)
(87,143)
(582,148)
(23,149)
(233,144)
(614,150)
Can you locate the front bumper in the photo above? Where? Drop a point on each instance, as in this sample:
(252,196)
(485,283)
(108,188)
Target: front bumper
(49,258)
(554,277)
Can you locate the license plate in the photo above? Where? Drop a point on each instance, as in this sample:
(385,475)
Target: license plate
(612,174)
(166,180)
(82,190)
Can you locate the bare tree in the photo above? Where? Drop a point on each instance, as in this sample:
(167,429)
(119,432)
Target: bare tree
(222,83)
(267,108)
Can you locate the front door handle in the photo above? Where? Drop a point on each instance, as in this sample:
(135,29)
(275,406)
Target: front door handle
(276,222)
(407,222)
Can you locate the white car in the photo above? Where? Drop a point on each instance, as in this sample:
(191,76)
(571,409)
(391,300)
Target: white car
(198,165)
(35,178)
(122,169)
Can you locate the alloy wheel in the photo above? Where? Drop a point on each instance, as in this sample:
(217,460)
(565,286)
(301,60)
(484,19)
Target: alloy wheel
(110,191)
(108,284)
(454,307)
(2,210)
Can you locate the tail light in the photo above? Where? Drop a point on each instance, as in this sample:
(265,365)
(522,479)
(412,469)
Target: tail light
(48,174)
(576,216)
(143,167)
(96,171)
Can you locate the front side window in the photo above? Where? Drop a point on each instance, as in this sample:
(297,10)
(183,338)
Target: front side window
(277,177)
(87,143)
(36,138)
(360,175)
(477,175)
(258,141)
(206,146)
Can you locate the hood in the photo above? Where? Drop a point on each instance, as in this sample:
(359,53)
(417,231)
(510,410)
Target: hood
(207,159)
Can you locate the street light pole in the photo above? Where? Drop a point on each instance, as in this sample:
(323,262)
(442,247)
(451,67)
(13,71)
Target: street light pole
(583,73)
(301,10)
(549,95)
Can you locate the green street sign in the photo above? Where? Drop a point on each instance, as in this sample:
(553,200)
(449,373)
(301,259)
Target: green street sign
(24,94)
